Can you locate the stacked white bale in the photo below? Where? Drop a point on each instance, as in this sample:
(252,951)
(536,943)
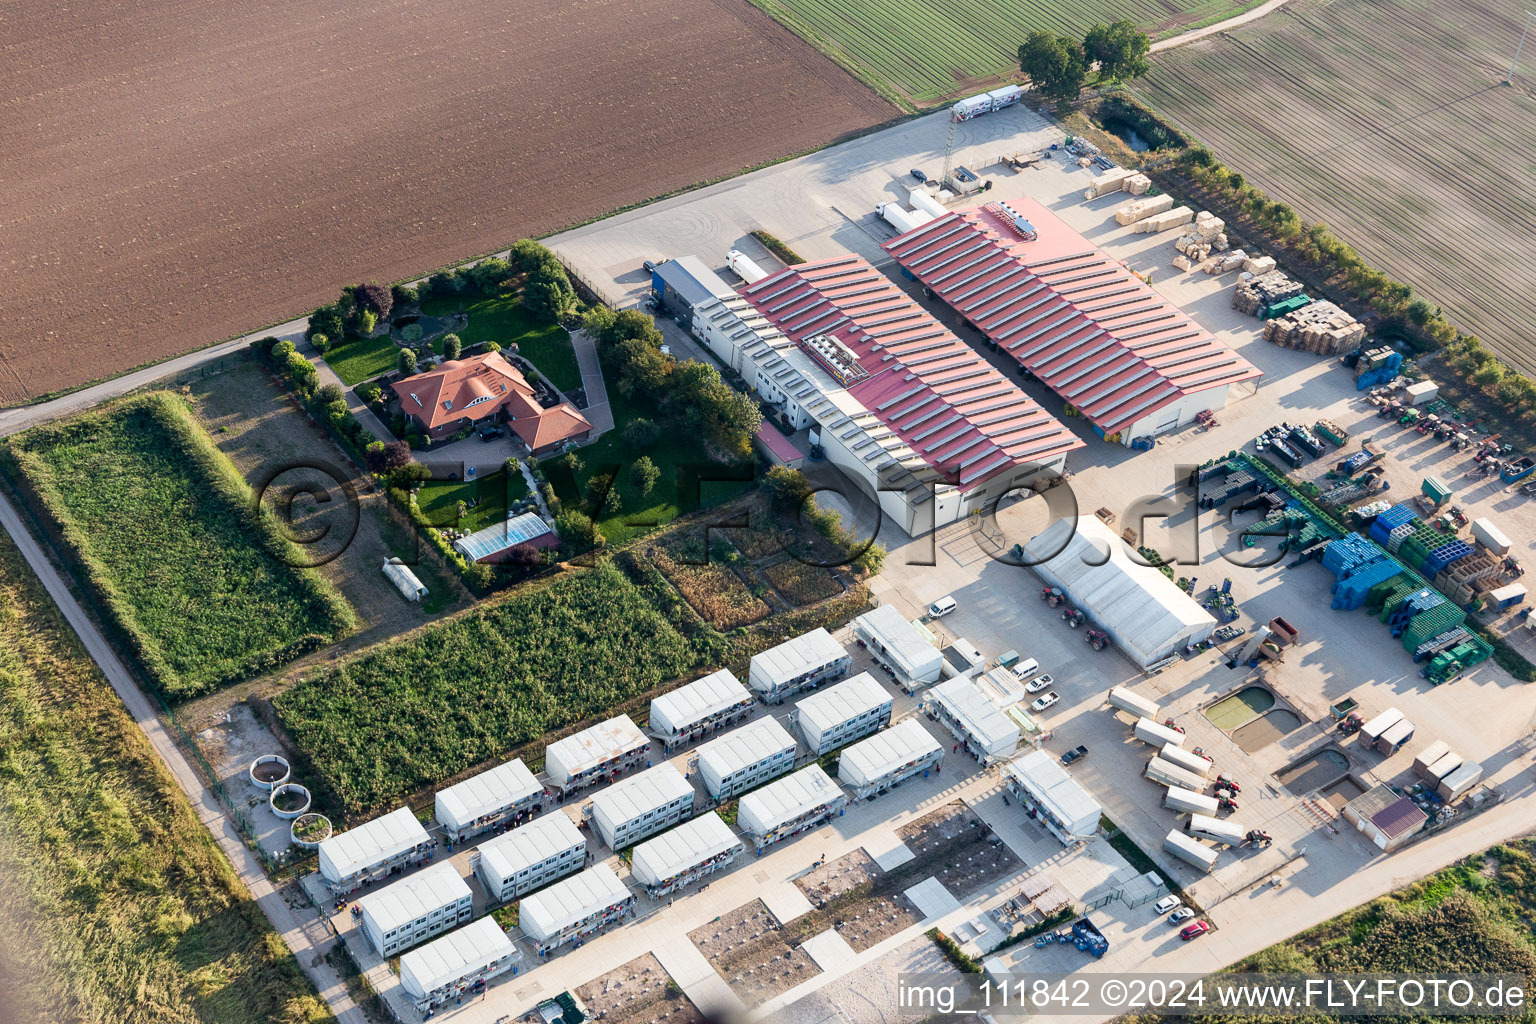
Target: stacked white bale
(1259,264)
(1163,221)
(1112,180)
(1140,209)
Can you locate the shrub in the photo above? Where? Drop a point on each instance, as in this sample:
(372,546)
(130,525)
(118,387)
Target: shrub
(452,346)
(367,320)
(321,342)
(404,295)
(411,332)
(644,473)
(640,433)
(407,363)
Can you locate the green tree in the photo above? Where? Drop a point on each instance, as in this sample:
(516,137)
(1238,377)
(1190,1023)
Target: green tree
(1119,49)
(640,433)
(644,473)
(331,395)
(407,363)
(787,488)
(547,290)
(613,502)
(452,346)
(573,463)
(489,274)
(597,321)
(1055,65)
(1489,374)
(321,342)
(576,528)
(527,254)
(1420,313)
(367,320)
(404,295)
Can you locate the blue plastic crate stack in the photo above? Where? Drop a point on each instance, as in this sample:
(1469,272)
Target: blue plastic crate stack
(1359,566)
(1391,519)
(1217,486)
(1443,556)
(1377,367)
(1414,604)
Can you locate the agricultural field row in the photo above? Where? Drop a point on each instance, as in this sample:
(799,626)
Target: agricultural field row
(924,52)
(200,583)
(117,906)
(1417,170)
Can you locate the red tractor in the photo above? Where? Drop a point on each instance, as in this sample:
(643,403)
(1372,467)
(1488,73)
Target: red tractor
(1225,783)
(1097,639)
(1224,800)
(1072,617)
(1351,725)
(1200,752)
(1169,723)
(1052,597)
(1259,837)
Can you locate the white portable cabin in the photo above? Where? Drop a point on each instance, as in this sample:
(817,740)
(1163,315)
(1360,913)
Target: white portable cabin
(530,856)
(486,800)
(448,966)
(642,805)
(840,714)
(1190,850)
(789,806)
(1169,774)
(1490,536)
(1216,830)
(1428,756)
(371,849)
(1157,734)
(745,266)
(685,854)
(923,200)
(414,909)
(1393,738)
(1190,801)
(902,220)
(894,641)
(578,907)
(691,711)
(894,755)
(1052,797)
(1456,784)
(745,757)
(595,752)
(1373,729)
(1444,766)
(1124,700)
(1185,759)
(802,663)
(1006,96)
(985,731)
(404,580)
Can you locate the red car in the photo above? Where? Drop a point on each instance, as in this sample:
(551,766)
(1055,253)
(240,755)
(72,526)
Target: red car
(1195,930)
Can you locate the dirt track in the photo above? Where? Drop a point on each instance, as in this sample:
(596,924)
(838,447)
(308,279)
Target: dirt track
(173,173)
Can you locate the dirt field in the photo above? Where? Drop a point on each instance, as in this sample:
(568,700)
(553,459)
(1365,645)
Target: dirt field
(748,948)
(1417,169)
(864,917)
(173,173)
(958,848)
(639,992)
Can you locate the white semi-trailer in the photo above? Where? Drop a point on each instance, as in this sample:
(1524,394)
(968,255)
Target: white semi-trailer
(1186,759)
(1167,773)
(901,219)
(1156,734)
(1124,700)
(1189,850)
(1190,801)
(921,200)
(1216,830)
(744,266)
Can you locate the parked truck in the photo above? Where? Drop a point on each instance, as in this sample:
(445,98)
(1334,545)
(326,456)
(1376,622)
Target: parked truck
(1188,801)
(1216,830)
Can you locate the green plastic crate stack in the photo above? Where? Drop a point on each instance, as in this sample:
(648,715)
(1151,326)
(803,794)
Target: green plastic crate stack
(1416,548)
(1429,624)
(1463,656)
(1382,600)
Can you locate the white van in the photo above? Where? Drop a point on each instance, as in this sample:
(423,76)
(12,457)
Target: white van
(1026,669)
(942,607)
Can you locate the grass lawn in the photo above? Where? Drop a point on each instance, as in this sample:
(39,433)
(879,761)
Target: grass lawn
(202,586)
(439,499)
(687,481)
(118,905)
(359,359)
(502,319)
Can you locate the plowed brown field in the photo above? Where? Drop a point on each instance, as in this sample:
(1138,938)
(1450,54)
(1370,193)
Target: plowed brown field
(173,172)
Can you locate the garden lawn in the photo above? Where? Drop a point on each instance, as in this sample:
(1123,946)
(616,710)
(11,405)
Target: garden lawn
(502,319)
(360,359)
(117,906)
(162,528)
(439,499)
(411,713)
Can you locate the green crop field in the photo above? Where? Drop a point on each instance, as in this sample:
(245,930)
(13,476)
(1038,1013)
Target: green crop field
(115,904)
(164,532)
(1390,123)
(918,52)
(411,713)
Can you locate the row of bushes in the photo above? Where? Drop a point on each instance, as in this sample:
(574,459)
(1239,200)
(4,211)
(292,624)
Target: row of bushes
(963,962)
(328,404)
(785,254)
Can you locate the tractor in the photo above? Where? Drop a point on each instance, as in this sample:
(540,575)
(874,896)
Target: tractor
(1052,596)
(1226,783)
(1169,723)
(1072,617)
(1097,639)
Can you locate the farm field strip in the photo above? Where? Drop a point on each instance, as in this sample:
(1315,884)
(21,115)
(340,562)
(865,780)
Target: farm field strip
(1417,171)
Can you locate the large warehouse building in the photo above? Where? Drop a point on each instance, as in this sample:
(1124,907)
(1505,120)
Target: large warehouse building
(1074,317)
(1142,610)
(895,400)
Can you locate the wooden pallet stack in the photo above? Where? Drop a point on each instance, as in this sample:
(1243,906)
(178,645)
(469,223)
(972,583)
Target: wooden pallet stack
(1321,327)
(1255,294)
(1112,180)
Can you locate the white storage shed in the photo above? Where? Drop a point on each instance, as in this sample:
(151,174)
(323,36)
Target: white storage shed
(430,902)
(576,908)
(693,711)
(1373,729)
(486,800)
(840,714)
(1455,785)
(802,663)
(1052,797)
(789,806)
(1490,536)
(642,805)
(370,850)
(530,856)
(685,854)
(893,641)
(1428,756)
(894,755)
(595,753)
(1142,610)
(745,757)
(1443,766)
(988,734)
(447,967)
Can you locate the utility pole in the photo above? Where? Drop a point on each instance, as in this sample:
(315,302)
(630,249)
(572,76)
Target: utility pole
(1511,79)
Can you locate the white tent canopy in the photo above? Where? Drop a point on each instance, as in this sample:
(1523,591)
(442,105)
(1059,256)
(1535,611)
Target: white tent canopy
(1140,608)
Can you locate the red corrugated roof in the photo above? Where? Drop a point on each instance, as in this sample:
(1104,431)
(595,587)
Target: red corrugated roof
(1076,318)
(952,407)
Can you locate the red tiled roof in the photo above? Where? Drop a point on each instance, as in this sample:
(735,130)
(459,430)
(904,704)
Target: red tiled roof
(479,386)
(952,407)
(1076,318)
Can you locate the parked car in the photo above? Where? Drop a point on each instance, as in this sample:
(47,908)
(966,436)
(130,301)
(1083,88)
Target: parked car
(942,607)
(919,174)
(1167,904)
(1026,669)
(1194,931)
(1036,685)
(1074,755)
(1042,703)
(490,431)
(650,266)
(1182,914)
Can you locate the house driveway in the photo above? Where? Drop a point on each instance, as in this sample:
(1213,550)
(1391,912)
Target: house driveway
(598,412)
(359,408)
